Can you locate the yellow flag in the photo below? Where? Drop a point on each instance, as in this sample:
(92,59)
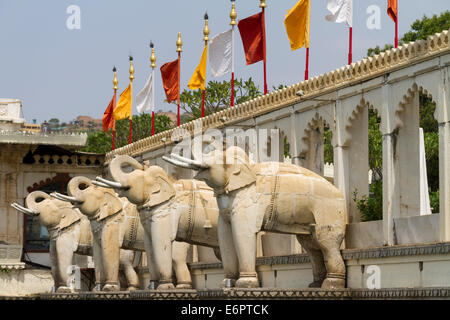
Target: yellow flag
(198,79)
(123,108)
(297,24)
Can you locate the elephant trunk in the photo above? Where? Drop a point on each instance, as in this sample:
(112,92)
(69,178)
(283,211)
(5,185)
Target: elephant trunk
(117,173)
(73,187)
(34,198)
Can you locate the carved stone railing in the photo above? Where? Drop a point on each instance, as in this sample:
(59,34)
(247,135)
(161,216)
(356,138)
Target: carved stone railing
(65,160)
(372,67)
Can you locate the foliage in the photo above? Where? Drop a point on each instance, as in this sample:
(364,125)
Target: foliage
(101,142)
(371,207)
(217,97)
(420,30)
(5,270)
(434,201)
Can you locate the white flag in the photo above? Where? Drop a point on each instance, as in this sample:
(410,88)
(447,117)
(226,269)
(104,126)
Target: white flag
(341,11)
(144,99)
(220,53)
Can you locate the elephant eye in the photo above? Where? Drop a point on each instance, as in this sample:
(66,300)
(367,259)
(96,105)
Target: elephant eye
(39,199)
(83,186)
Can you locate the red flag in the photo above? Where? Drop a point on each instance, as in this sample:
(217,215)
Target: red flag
(392,9)
(108,116)
(170,78)
(252,32)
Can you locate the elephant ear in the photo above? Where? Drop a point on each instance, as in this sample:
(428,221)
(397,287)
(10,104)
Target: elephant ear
(160,186)
(239,177)
(68,217)
(111,206)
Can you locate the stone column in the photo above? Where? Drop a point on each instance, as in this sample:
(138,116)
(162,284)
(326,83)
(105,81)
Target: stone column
(443,116)
(351,152)
(11,222)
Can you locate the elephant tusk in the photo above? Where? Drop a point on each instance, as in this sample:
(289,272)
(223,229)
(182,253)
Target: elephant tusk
(195,163)
(19,208)
(100,184)
(179,163)
(111,184)
(63,197)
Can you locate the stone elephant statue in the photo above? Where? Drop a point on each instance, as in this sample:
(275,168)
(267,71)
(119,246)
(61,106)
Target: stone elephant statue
(69,233)
(115,224)
(170,211)
(274,197)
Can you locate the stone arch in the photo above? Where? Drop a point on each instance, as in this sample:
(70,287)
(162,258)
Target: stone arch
(312,142)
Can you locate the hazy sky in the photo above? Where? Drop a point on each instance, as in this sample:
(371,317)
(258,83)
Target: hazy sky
(63,73)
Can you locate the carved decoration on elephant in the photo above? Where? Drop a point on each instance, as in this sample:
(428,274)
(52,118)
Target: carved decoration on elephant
(182,210)
(69,233)
(274,197)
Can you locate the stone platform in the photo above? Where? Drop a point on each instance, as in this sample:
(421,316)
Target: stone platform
(262,294)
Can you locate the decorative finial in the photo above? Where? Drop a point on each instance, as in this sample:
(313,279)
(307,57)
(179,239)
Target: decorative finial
(206,29)
(262,3)
(131,69)
(115,81)
(153,57)
(233,13)
(179,43)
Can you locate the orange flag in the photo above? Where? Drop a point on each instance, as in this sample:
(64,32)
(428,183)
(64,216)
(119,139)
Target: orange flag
(169,74)
(392,9)
(108,116)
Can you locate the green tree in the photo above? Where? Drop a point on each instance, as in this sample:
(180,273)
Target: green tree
(101,142)
(217,97)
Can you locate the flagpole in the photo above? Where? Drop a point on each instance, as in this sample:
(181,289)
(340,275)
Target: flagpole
(263,6)
(350,56)
(233,16)
(307,64)
(396,30)
(205,38)
(131,95)
(116,84)
(153,65)
(179,50)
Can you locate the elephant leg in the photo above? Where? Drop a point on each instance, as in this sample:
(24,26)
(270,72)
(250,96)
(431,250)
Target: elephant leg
(245,243)
(179,257)
(162,252)
(111,256)
(98,265)
(126,261)
(316,256)
(64,256)
(154,278)
(329,240)
(227,252)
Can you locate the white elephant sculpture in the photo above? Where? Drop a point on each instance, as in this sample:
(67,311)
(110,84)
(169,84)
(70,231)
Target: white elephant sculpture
(115,224)
(69,233)
(274,197)
(170,211)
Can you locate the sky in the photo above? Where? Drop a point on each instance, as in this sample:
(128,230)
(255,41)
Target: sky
(61,73)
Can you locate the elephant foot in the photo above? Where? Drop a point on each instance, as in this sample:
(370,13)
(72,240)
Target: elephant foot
(166,286)
(64,289)
(111,287)
(333,283)
(247,282)
(132,288)
(184,286)
(316,284)
(228,283)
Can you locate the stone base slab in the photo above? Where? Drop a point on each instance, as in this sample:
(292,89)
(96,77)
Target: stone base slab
(262,294)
